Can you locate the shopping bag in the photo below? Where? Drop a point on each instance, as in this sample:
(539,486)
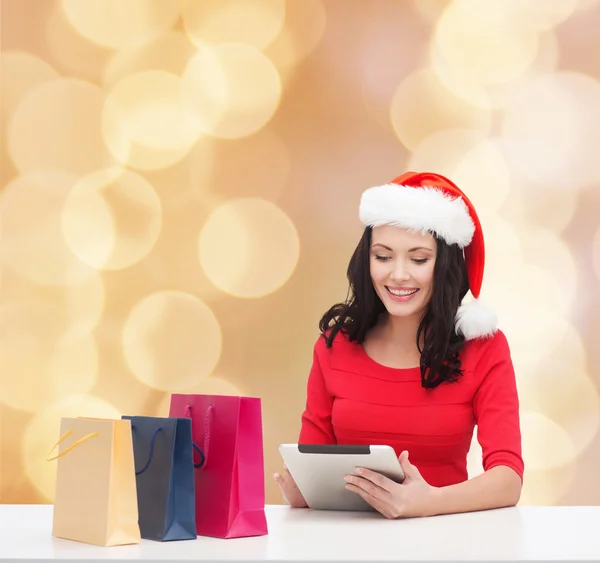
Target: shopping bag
(230,482)
(162,449)
(95,500)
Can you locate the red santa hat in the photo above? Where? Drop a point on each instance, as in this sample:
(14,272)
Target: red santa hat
(430,203)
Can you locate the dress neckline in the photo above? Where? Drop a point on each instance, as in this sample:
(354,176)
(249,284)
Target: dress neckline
(379,365)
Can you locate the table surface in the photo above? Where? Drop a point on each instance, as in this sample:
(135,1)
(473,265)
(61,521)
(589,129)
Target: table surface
(509,534)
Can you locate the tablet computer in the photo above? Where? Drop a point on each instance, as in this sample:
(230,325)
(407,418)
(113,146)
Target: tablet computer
(319,472)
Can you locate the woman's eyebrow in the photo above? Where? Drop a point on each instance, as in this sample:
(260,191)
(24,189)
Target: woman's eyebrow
(383,245)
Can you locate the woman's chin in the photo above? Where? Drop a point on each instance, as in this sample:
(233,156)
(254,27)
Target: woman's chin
(403,311)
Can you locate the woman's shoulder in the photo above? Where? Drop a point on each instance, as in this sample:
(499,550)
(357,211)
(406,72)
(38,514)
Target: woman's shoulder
(490,348)
(328,340)
(335,345)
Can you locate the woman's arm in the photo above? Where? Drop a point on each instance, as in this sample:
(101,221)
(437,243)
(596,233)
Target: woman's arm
(316,419)
(498,487)
(496,412)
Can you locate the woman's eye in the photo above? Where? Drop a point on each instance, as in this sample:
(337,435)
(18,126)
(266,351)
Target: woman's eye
(381,258)
(420,260)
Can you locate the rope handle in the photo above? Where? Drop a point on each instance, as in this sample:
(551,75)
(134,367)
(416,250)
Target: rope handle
(73,445)
(207,428)
(151,454)
(198,465)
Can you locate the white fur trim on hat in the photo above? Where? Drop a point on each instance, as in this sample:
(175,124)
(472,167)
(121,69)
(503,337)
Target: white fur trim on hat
(475,320)
(425,209)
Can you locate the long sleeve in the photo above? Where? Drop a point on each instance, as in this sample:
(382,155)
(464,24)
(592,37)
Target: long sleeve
(496,408)
(316,419)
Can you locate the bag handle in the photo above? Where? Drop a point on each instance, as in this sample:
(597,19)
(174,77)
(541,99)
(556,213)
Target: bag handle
(73,445)
(207,427)
(198,465)
(151,454)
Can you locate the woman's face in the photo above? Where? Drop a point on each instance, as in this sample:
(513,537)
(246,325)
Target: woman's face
(401,264)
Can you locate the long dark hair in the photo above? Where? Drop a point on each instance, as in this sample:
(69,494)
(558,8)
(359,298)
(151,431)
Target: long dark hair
(360,312)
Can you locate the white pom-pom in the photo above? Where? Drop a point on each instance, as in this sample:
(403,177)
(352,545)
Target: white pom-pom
(475,320)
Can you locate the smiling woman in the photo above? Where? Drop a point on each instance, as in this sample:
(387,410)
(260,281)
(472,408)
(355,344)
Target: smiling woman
(404,362)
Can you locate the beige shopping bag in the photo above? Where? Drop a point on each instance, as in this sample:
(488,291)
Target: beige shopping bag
(96,496)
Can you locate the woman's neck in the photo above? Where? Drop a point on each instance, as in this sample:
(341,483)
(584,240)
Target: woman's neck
(400,330)
(393,342)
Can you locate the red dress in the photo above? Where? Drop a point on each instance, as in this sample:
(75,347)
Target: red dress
(351,399)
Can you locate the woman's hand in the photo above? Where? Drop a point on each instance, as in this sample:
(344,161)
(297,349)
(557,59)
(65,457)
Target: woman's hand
(413,497)
(290,491)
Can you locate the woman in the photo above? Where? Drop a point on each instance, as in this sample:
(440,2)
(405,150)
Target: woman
(404,362)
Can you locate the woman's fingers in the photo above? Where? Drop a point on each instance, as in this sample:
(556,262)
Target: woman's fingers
(289,489)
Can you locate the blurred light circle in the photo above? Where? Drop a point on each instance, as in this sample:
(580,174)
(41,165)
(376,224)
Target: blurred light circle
(596,252)
(254,22)
(44,430)
(540,14)
(303,28)
(112,219)
(21,72)
(547,487)
(483,174)
(169,53)
(57,126)
(495,95)
(249,247)
(586,5)
(118,25)
(171,340)
(441,151)
(209,386)
(33,312)
(503,251)
(551,130)
(33,245)
(422,106)
(457,80)
(430,10)
(150,104)
(38,372)
(144,122)
(561,388)
(530,293)
(474,457)
(231,90)
(478,38)
(471,160)
(540,486)
(547,250)
(552,210)
(546,444)
(71,52)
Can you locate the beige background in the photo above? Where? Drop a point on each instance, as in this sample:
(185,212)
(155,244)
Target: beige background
(180,183)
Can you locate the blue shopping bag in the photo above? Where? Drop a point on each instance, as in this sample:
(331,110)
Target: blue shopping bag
(164,467)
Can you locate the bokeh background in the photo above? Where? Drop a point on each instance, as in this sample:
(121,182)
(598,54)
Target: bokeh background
(179,195)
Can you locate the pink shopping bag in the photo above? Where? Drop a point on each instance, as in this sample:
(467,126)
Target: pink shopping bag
(230,480)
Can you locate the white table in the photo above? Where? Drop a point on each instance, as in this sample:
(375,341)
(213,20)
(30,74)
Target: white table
(512,534)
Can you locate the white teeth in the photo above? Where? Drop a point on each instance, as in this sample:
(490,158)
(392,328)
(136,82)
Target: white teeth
(402,292)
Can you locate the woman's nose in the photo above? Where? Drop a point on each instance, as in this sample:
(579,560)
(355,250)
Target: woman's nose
(400,273)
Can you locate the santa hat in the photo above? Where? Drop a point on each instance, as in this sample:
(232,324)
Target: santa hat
(430,203)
